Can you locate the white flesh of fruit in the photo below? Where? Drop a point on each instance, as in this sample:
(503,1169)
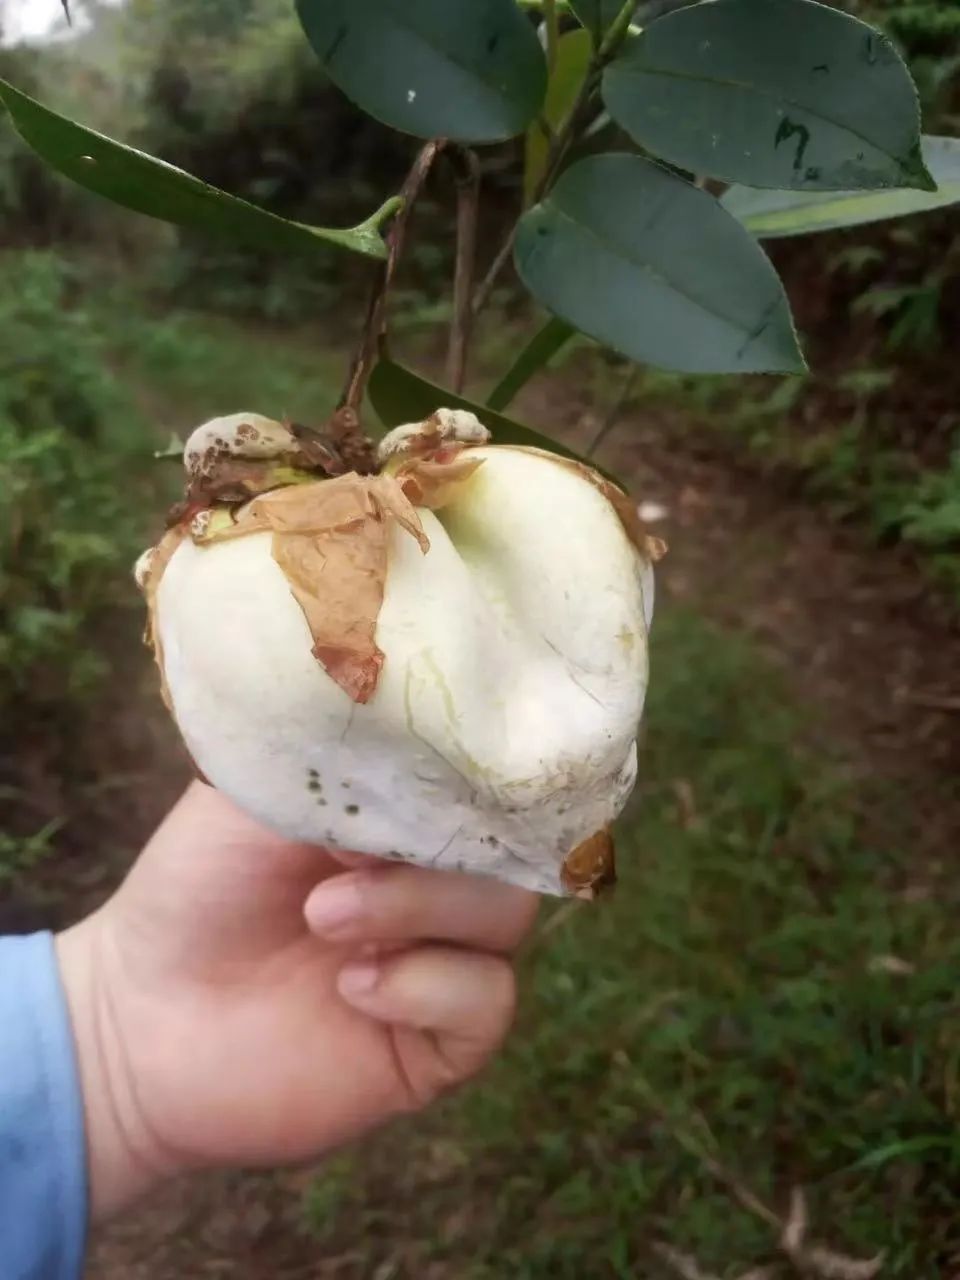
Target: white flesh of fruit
(502,732)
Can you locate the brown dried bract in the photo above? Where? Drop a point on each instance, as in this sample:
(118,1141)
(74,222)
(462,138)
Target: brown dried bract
(590,867)
(433,481)
(356,451)
(330,539)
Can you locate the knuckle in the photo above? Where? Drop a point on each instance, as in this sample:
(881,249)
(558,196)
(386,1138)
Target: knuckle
(391,902)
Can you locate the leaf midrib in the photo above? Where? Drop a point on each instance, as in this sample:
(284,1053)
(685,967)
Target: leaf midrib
(649,269)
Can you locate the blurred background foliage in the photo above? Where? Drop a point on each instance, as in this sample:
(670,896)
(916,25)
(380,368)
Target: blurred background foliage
(115,331)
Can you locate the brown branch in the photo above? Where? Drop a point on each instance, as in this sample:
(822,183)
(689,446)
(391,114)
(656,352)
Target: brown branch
(560,144)
(468,207)
(552,24)
(374,328)
(485,288)
(935,701)
(563,139)
(344,428)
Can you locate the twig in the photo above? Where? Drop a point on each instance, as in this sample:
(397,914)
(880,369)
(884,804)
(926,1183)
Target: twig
(490,279)
(616,409)
(713,1166)
(553,32)
(374,327)
(468,205)
(559,145)
(546,128)
(681,1264)
(616,32)
(562,140)
(558,919)
(808,1260)
(935,701)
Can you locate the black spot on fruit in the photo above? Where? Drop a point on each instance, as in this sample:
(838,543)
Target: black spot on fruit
(352,809)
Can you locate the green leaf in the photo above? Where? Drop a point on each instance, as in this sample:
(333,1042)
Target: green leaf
(541,348)
(769,214)
(574,51)
(474,72)
(399,395)
(151,186)
(783,93)
(907,1148)
(596,15)
(647,264)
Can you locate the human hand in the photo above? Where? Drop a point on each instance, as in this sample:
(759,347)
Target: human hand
(244,1000)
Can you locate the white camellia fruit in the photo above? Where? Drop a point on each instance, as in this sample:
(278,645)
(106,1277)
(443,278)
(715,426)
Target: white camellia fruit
(443,663)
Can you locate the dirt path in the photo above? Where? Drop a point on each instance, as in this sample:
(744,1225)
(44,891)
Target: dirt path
(858,637)
(857,630)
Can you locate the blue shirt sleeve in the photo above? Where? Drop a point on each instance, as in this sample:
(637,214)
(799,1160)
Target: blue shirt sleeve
(43,1180)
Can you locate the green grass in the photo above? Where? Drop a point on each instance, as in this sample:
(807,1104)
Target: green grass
(187,367)
(728,1021)
(91,383)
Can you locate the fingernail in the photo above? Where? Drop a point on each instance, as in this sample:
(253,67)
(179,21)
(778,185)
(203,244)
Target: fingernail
(358,979)
(332,908)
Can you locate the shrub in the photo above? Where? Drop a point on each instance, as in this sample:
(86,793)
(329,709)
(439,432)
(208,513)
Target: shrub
(68,526)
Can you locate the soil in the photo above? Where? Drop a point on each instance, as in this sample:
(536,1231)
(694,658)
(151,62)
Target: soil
(856,631)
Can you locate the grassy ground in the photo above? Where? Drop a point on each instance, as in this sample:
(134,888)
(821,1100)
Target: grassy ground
(187,367)
(768,1001)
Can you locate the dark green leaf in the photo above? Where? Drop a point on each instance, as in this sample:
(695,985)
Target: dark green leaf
(647,264)
(541,348)
(769,214)
(400,396)
(474,71)
(596,15)
(574,51)
(151,186)
(782,93)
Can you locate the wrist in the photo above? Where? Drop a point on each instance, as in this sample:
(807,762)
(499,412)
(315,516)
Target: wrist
(124,1161)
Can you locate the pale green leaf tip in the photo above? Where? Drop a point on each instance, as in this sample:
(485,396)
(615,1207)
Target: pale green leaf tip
(926,181)
(799,365)
(916,174)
